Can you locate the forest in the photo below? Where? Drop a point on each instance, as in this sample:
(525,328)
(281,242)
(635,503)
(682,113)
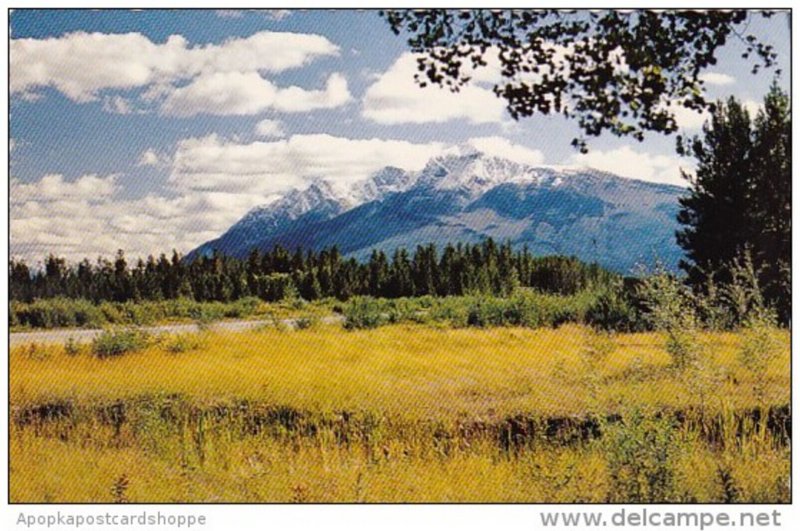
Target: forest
(460,269)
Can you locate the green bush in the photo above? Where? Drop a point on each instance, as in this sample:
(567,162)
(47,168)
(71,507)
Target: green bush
(364,312)
(529,309)
(72,347)
(641,451)
(183,343)
(112,343)
(58,312)
(306,322)
(613,310)
(243,307)
(70,313)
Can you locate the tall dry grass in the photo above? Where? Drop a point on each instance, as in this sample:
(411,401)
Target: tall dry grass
(401,413)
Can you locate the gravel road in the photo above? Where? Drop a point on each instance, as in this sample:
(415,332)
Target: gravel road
(61,335)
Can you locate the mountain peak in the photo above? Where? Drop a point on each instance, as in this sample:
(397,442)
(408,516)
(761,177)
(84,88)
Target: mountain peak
(465,197)
(474,172)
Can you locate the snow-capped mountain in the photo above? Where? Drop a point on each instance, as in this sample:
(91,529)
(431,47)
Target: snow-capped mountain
(475,173)
(321,200)
(593,215)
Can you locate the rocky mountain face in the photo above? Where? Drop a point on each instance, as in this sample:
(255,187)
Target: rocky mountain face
(594,215)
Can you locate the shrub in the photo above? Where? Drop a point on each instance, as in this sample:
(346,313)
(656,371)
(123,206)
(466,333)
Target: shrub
(528,308)
(243,307)
(641,451)
(760,345)
(450,310)
(671,309)
(112,343)
(306,322)
(364,312)
(55,313)
(613,310)
(72,347)
(183,343)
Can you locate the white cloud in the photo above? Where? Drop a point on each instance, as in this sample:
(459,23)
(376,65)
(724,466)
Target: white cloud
(501,147)
(270,129)
(633,164)
(229,13)
(117,105)
(53,187)
(150,157)
(688,119)
(81,64)
(277,14)
(295,99)
(211,163)
(717,78)
(88,218)
(222,93)
(396,98)
(247,93)
(753,107)
(213,183)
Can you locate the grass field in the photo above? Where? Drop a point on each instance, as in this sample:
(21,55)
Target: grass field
(400,413)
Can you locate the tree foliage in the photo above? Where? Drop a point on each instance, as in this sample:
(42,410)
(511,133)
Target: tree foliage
(737,215)
(609,70)
(277,274)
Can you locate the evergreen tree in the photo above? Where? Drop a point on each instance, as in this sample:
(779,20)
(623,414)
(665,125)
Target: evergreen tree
(739,199)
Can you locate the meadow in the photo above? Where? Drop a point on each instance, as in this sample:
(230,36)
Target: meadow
(403,412)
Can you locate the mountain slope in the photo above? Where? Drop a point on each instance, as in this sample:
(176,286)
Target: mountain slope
(300,208)
(596,216)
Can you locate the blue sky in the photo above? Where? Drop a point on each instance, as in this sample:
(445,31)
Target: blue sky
(154,130)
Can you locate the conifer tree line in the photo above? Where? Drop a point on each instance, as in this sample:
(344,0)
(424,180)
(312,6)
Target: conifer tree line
(458,269)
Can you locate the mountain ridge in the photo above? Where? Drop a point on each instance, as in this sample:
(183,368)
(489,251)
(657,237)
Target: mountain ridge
(594,215)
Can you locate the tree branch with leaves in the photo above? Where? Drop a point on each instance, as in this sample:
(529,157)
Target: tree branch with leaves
(622,72)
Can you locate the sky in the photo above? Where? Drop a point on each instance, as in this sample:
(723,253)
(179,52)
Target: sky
(156,130)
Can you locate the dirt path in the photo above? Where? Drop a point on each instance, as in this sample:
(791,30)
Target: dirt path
(61,335)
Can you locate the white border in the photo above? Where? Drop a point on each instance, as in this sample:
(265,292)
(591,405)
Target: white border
(350,517)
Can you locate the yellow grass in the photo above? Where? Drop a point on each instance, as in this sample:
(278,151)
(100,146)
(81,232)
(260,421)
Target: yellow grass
(413,370)
(388,408)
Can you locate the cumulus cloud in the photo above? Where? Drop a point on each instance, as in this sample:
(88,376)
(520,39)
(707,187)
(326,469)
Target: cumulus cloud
(81,64)
(247,93)
(502,147)
(90,217)
(688,119)
(53,187)
(627,162)
(221,93)
(117,105)
(395,98)
(295,99)
(753,107)
(277,14)
(212,163)
(717,78)
(150,157)
(270,129)
(214,181)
